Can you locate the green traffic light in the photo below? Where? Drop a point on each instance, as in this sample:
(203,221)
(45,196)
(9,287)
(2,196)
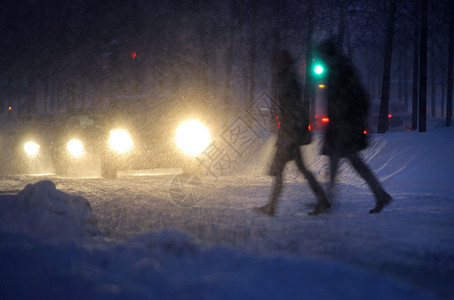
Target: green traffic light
(318,69)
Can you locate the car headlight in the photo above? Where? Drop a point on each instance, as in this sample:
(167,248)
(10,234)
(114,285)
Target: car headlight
(31,148)
(119,141)
(75,148)
(192,137)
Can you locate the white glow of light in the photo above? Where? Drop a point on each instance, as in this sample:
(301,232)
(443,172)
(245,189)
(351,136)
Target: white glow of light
(318,69)
(192,137)
(120,141)
(31,148)
(75,148)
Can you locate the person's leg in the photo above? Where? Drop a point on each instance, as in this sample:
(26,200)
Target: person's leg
(323,202)
(333,165)
(333,168)
(276,170)
(382,198)
(270,207)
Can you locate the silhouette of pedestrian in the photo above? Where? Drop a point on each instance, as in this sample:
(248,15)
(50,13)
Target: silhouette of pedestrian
(293,131)
(347,105)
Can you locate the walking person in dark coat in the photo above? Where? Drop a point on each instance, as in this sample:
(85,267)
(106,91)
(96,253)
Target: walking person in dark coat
(292,133)
(348,107)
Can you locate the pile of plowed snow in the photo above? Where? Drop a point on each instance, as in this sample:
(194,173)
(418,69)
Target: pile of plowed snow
(397,157)
(41,211)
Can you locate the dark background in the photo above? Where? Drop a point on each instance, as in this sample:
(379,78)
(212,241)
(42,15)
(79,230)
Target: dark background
(59,54)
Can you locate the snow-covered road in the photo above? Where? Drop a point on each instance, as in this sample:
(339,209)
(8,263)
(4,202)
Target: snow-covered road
(411,242)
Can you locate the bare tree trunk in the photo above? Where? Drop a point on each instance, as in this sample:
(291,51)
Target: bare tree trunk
(433,89)
(10,105)
(406,83)
(19,93)
(52,90)
(59,95)
(83,92)
(414,97)
(245,87)
(228,77)
(202,87)
(46,91)
(252,54)
(400,74)
(341,25)
(450,66)
(309,92)
(276,46)
(72,98)
(389,38)
(31,95)
(423,68)
(228,67)
(443,94)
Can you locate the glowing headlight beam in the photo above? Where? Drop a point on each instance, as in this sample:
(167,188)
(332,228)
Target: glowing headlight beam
(192,137)
(31,148)
(75,148)
(119,141)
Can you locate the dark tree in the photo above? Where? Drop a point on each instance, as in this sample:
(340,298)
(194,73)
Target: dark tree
(342,7)
(252,50)
(309,97)
(423,67)
(229,62)
(391,7)
(276,44)
(450,65)
(414,97)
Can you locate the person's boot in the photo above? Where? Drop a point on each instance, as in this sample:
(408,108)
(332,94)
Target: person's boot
(382,201)
(319,208)
(322,205)
(267,209)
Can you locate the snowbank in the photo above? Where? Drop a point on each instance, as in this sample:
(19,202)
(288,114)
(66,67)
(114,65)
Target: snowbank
(51,250)
(400,159)
(167,265)
(41,211)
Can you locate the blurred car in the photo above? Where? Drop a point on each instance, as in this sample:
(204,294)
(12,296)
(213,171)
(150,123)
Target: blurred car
(30,143)
(54,142)
(133,132)
(75,139)
(154,131)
